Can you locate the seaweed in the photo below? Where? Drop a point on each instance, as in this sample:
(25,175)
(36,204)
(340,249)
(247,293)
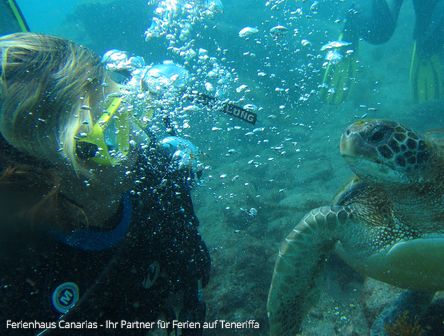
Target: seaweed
(405,326)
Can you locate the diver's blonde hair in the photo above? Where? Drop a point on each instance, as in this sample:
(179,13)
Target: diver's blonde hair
(44,83)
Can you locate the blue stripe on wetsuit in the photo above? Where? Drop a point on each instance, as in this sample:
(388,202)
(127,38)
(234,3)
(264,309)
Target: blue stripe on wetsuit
(94,240)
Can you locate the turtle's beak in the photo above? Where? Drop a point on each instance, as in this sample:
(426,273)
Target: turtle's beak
(353,145)
(347,146)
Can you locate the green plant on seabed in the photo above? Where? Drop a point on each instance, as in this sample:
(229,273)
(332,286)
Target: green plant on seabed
(404,326)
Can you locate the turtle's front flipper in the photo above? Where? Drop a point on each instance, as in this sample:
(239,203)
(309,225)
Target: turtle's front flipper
(300,259)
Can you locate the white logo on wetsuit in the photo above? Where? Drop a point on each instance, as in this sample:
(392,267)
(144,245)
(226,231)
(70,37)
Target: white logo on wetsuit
(65,297)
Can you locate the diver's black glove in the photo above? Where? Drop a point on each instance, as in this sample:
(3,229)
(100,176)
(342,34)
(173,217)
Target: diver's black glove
(202,263)
(194,309)
(195,279)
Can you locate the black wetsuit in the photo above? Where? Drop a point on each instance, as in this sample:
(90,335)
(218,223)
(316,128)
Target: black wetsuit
(375,21)
(161,254)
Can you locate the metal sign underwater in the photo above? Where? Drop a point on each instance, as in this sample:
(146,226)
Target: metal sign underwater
(228,108)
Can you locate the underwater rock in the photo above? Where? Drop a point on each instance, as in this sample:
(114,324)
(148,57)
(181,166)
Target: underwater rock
(376,296)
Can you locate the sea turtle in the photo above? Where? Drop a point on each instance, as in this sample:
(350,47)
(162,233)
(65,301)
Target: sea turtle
(387,223)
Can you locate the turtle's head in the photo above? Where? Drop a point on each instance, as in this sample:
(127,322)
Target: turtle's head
(385,151)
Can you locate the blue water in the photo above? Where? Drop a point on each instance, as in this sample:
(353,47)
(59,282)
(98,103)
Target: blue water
(46,16)
(286,164)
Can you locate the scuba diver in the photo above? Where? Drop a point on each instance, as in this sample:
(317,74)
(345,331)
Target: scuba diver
(375,22)
(97,218)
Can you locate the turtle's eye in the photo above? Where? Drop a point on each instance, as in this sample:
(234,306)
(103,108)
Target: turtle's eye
(378,134)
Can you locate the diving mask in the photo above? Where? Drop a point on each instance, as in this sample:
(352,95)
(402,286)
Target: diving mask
(107,142)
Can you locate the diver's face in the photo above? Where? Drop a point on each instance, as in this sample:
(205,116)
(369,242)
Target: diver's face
(103,143)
